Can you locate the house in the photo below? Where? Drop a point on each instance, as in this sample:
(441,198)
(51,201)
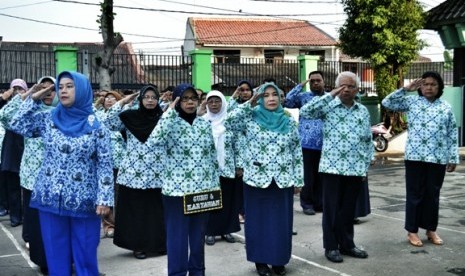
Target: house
(233,40)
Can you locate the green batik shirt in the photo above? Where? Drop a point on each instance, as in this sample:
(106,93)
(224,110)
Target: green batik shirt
(267,155)
(190,161)
(33,154)
(347,144)
(432,131)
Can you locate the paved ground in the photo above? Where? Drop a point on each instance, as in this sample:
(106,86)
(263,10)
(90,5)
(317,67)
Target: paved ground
(381,234)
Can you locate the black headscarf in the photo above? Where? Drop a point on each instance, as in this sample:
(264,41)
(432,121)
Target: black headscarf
(178,92)
(142,121)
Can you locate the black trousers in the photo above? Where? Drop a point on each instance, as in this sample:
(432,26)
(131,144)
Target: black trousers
(3,192)
(311,193)
(13,196)
(339,198)
(423,183)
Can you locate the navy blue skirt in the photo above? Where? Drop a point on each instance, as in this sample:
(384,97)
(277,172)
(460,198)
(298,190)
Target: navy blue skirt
(362,206)
(268,224)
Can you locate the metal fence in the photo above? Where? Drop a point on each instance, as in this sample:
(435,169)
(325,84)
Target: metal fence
(27,65)
(131,71)
(366,74)
(226,76)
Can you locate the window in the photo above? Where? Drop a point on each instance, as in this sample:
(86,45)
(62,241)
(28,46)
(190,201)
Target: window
(227,56)
(320,53)
(274,56)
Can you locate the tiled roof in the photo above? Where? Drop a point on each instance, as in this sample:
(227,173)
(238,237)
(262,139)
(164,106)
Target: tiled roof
(448,12)
(257,31)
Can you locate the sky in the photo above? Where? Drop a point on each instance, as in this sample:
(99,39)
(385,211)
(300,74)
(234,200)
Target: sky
(159,26)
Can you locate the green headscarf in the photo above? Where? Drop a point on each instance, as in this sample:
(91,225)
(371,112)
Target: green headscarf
(275,120)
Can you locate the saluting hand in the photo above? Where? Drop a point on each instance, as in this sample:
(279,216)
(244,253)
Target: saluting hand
(129,98)
(39,94)
(7,94)
(173,104)
(237,93)
(336,91)
(253,101)
(203,108)
(414,85)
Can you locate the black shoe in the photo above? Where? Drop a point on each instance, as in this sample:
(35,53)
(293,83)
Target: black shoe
(294,233)
(3,212)
(210,240)
(229,238)
(333,255)
(263,269)
(16,223)
(357,221)
(309,211)
(279,270)
(355,252)
(139,255)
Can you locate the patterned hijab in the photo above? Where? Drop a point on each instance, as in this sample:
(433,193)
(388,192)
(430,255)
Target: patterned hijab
(275,120)
(78,119)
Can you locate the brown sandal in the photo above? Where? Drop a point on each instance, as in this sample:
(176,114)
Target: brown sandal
(434,238)
(414,239)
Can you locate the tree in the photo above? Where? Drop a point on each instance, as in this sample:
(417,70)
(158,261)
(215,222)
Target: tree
(383,32)
(111,40)
(448,60)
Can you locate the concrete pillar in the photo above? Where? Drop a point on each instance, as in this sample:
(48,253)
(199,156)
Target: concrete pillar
(65,58)
(202,69)
(307,64)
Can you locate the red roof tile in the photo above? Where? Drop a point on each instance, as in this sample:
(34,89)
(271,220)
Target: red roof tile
(257,31)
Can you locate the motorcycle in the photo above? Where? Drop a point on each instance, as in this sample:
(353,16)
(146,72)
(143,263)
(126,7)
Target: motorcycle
(379,140)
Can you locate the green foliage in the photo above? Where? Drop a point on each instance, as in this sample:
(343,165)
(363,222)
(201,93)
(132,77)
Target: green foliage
(383,32)
(448,60)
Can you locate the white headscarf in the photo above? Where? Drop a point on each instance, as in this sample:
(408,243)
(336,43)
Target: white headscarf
(217,122)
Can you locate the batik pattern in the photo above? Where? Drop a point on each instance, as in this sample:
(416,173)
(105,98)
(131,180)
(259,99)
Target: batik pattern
(76,174)
(432,129)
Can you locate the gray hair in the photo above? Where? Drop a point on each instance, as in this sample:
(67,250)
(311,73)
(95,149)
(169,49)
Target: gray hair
(348,74)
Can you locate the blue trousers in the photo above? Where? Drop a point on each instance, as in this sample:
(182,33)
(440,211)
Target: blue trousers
(69,240)
(185,237)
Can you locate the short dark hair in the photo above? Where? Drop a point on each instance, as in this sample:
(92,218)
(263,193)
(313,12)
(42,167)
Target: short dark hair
(316,73)
(435,75)
(270,79)
(169,88)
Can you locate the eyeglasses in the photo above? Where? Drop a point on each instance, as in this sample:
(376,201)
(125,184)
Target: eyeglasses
(110,99)
(153,98)
(245,89)
(212,101)
(186,99)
